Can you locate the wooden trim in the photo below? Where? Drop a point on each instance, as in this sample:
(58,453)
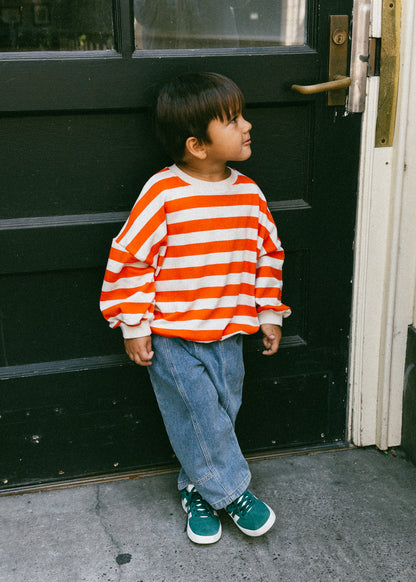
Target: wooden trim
(62,220)
(95,363)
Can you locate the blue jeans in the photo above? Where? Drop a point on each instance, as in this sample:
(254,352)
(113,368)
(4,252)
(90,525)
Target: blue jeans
(198,387)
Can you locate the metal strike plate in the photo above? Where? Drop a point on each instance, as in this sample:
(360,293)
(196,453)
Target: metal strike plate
(389,73)
(338,55)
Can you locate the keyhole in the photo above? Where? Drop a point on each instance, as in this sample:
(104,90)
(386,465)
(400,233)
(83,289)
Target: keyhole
(339,37)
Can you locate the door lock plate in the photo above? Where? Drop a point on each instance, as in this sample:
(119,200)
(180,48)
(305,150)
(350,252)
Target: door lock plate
(338,55)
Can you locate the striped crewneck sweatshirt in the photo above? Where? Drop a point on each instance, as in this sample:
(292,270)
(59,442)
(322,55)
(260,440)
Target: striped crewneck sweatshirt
(195,259)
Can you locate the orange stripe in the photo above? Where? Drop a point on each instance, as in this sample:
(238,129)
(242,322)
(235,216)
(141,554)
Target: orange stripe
(147,231)
(121,294)
(267,271)
(208,314)
(207,248)
(126,273)
(206,271)
(277,308)
(204,293)
(240,328)
(148,197)
(205,336)
(213,224)
(127,308)
(121,256)
(267,293)
(211,201)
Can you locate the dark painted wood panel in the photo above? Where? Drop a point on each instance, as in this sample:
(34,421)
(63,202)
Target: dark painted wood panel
(92,163)
(60,426)
(56,248)
(69,425)
(52,315)
(76,164)
(282,138)
(87,82)
(299,415)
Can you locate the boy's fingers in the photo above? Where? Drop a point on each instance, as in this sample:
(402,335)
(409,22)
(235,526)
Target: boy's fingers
(145,358)
(139,350)
(271,344)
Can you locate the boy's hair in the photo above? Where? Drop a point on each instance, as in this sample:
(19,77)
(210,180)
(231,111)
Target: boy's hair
(186,105)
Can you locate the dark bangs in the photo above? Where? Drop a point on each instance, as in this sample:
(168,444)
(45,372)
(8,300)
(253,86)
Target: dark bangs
(222,100)
(188,104)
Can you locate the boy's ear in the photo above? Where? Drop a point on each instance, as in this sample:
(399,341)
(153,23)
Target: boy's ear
(196,148)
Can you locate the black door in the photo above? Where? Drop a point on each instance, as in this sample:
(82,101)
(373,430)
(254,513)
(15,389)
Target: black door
(77,144)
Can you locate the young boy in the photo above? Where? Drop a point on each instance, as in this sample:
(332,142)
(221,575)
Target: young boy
(197,265)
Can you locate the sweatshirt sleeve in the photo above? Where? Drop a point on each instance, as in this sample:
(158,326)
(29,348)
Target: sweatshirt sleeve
(269,282)
(128,292)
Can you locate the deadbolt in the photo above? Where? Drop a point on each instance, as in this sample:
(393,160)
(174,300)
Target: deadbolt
(339,36)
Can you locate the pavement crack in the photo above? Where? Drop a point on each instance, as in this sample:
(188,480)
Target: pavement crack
(116,549)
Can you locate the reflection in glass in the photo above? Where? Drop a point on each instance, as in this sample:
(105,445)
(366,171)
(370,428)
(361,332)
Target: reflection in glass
(189,24)
(67,25)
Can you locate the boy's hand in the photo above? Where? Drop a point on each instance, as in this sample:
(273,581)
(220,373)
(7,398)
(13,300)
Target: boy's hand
(272,335)
(139,350)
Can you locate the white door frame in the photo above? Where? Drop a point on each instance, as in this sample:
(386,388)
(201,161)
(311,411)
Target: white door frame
(385,258)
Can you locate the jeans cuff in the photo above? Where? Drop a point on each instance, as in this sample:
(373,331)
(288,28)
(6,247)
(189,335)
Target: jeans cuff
(222,503)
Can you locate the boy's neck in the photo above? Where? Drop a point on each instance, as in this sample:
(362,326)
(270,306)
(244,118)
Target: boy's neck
(204,171)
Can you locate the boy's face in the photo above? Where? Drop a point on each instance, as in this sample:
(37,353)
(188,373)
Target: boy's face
(230,140)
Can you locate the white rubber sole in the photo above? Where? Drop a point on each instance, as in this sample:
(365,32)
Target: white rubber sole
(262,530)
(203,539)
(200,539)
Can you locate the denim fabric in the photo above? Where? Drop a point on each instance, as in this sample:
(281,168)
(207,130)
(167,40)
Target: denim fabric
(198,387)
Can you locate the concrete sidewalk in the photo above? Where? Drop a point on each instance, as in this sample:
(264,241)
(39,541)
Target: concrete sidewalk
(346,516)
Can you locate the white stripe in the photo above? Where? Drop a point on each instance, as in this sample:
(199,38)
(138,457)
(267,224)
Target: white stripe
(157,235)
(211,236)
(209,259)
(133,319)
(146,298)
(193,191)
(204,324)
(211,303)
(267,282)
(117,266)
(208,212)
(128,282)
(205,282)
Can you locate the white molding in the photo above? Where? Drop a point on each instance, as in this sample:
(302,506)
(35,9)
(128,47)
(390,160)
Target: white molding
(385,267)
(369,270)
(402,279)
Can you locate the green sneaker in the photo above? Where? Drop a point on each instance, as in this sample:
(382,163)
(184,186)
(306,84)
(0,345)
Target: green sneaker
(251,515)
(203,524)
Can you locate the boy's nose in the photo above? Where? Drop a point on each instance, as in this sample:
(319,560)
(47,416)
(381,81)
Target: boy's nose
(247,125)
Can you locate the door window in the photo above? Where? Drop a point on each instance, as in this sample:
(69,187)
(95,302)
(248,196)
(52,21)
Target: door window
(195,24)
(70,25)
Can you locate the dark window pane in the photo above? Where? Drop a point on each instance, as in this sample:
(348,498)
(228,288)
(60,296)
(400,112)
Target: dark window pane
(182,24)
(67,25)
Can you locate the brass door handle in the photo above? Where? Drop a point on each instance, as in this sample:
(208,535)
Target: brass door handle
(339,82)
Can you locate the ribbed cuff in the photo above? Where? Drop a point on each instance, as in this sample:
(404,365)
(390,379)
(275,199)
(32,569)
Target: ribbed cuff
(270,316)
(132,331)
